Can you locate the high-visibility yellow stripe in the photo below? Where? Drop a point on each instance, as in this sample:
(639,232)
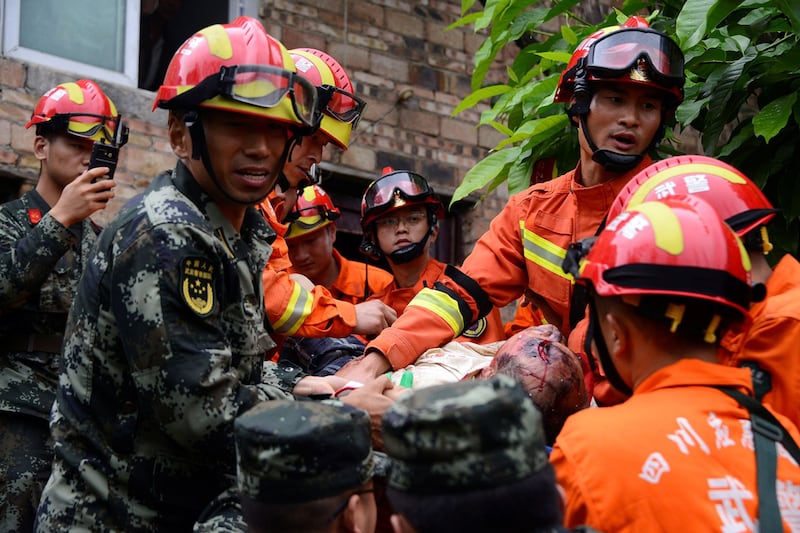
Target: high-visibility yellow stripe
(443,305)
(296,312)
(543,252)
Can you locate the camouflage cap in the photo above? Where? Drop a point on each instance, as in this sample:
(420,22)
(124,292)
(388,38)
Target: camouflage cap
(463,436)
(299,451)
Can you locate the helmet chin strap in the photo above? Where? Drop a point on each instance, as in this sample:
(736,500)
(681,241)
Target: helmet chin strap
(410,252)
(200,151)
(611,161)
(595,334)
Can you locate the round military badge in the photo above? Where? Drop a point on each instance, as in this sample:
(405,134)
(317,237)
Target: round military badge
(477,329)
(197,285)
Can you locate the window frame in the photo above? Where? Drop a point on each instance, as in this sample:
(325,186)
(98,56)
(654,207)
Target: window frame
(129,77)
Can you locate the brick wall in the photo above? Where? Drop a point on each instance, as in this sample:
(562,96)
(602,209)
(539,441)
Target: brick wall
(386,46)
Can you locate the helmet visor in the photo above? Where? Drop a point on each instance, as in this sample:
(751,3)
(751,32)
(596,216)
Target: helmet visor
(340,104)
(618,52)
(408,184)
(96,127)
(265,86)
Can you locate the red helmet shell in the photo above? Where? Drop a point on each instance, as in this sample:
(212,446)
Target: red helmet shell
(243,42)
(673,241)
(396,189)
(84,107)
(635,28)
(322,69)
(313,210)
(735,197)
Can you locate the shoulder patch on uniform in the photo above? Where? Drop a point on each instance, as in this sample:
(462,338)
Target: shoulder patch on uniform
(197,285)
(477,329)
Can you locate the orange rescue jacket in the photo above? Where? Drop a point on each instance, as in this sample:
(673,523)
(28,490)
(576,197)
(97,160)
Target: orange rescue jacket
(773,340)
(524,248)
(676,456)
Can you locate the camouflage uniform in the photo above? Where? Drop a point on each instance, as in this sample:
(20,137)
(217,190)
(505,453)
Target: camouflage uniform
(293,453)
(471,434)
(164,349)
(40,264)
(470,457)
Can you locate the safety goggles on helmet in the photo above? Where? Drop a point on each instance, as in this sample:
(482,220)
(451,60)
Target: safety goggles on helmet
(617,53)
(340,104)
(311,215)
(87,125)
(258,85)
(410,186)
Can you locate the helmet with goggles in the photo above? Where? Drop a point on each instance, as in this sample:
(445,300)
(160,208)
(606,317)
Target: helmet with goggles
(338,108)
(396,189)
(240,68)
(630,53)
(313,210)
(78,108)
(733,195)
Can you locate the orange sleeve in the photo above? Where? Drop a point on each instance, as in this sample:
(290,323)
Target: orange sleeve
(496,264)
(293,310)
(525,317)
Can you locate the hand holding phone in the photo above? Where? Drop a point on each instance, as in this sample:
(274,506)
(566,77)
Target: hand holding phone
(104,155)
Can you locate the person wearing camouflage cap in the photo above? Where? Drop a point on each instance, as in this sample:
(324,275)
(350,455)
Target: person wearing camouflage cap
(469,456)
(302,466)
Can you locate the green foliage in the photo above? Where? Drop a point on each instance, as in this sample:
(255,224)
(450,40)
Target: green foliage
(743,74)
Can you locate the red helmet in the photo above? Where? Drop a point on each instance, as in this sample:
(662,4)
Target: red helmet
(339,109)
(314,209)
(678,246)
(396,189)
(80,108)
(738,200)
(238,67)
(630,53)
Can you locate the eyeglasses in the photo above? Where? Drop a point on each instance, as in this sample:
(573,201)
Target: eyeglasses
(382,191)
(340,104)
(342,506)
(619,51)
(258,85)
(410,220)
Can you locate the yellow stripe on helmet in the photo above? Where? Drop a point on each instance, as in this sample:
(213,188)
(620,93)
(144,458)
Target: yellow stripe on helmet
(219,44)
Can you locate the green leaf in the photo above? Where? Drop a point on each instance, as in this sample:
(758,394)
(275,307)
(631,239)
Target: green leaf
(569,36)
(483,93)
(539,127)
(690,26)
(790,8)
(774,116)
(487,169)
(463,21)
(557,57)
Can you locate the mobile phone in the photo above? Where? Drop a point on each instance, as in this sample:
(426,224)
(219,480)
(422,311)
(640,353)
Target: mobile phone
(104,155)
